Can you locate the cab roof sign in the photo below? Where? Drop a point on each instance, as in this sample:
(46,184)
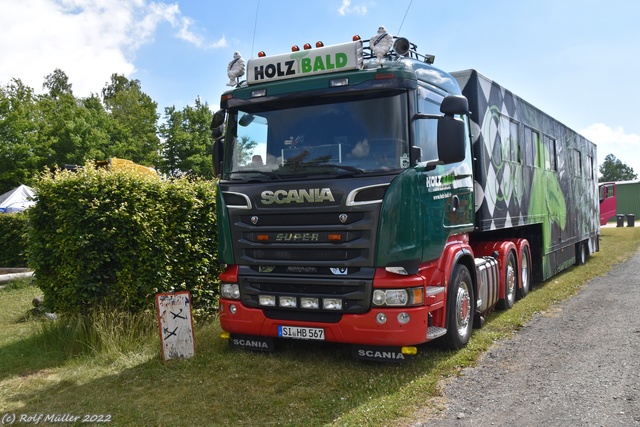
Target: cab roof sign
(329,59)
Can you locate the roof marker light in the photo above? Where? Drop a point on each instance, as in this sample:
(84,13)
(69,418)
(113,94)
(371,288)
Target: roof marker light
(356,38)
(295,48)
(383,76)
(344,81)
(319,44)
(261,54)
(307,46)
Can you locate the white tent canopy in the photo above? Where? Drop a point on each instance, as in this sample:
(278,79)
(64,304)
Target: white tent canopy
(16,200)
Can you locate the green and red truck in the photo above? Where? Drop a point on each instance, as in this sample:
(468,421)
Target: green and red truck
(378,201)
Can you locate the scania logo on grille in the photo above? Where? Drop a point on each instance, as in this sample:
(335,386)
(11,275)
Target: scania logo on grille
(312,195)
(343,218)
(254,220)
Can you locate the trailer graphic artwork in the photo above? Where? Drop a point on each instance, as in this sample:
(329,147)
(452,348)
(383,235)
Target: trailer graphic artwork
(528,178)
(387,203)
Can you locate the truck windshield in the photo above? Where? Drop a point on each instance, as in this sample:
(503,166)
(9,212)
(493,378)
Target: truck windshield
(367,135)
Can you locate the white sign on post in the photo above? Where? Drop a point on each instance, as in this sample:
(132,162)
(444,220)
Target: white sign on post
(176,325)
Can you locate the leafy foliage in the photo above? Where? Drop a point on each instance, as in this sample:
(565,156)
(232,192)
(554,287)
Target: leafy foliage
(20,119)
(13,242)
(50,130)
(133,121)
(613,169)
(114,239)
(186,141)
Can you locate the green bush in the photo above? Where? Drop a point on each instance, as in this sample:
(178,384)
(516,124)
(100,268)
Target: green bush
(13,242)
(114,239)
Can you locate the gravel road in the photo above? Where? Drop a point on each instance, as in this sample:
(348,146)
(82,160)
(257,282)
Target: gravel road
(578,365)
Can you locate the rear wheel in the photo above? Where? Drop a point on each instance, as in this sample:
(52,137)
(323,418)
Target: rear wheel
(460,309)
(510,283)
(525,273)
(582,253)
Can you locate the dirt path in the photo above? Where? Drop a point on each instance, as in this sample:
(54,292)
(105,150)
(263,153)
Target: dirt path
(576,366)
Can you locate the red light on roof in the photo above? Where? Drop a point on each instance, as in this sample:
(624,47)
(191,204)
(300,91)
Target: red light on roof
(261,54)
(295,48)
(319,44)
(356,38)
(307,46)
(382,76)
(226,97)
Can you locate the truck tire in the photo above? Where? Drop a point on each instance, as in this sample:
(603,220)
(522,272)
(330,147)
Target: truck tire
(525,273)
(510,283)
(460,309)
(582,253)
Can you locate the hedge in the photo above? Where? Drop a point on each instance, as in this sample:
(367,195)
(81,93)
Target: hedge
(13,241)
(115,239)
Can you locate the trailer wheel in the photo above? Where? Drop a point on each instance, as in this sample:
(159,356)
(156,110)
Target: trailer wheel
(525,273)
(460,309)
(582,253)
(510,283)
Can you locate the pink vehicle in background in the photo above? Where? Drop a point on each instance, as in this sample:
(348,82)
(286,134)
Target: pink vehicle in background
(607,201)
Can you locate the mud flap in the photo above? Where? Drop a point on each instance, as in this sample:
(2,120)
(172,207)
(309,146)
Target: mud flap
(379,354)
(251,342)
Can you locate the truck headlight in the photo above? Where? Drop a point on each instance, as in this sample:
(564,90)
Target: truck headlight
(230,291)
(267,300)
(398,297)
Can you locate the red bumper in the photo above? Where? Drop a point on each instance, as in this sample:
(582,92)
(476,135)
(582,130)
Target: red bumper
(352,329)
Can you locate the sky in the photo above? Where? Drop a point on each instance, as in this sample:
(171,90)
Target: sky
(575,60)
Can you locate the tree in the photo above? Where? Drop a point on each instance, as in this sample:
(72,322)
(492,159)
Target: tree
(197,121)
(612,169)
(186,141)
(20,154)
(57,83)
(133,120)
(72,130)
(174,142)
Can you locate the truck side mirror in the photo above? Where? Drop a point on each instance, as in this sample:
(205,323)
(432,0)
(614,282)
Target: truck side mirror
(216,124)
(218,146)
(218,156)
(454,104)
(218,119)
(451,130)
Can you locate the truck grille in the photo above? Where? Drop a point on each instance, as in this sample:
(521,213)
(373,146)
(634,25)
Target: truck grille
(332,239)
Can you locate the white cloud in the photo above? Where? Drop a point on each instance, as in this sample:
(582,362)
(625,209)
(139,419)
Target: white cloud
(625,146)
(347,9)
(87,39)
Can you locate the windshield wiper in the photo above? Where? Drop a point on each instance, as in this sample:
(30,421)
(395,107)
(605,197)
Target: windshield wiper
(270,174)
(354,170)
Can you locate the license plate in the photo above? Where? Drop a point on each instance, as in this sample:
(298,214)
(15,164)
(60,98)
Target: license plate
(301,333)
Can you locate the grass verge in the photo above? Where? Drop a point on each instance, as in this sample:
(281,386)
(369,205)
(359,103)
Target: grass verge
(110,364)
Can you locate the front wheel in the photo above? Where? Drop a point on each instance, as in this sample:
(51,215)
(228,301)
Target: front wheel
(460,309)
